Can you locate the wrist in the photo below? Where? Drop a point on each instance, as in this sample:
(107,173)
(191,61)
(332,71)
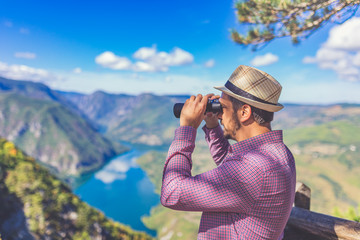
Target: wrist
(211,125)
(188,124)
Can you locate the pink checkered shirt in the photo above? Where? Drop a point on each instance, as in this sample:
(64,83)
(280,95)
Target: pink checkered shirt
(248,196)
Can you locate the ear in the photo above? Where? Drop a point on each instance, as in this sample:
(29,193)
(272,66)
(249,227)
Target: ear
(244,113)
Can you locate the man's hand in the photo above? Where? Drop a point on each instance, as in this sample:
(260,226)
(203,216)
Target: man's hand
(211,119)
(193,111)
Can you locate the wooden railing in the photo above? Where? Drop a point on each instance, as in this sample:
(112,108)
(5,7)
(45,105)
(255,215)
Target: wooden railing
(304,224)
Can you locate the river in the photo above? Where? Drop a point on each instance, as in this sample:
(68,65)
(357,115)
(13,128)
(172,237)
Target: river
(122,190)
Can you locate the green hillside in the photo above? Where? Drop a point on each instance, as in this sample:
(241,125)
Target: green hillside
(57,137)
(328,161)
(36,205)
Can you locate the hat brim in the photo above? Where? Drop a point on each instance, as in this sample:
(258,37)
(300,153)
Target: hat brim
(264,106)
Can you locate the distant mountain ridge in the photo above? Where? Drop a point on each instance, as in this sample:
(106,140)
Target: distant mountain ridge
(100,105)
(35,90)
(51,128)
(145,119)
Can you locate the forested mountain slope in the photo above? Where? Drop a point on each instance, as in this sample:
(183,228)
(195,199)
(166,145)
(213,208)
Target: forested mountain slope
(36,205)
(53,134)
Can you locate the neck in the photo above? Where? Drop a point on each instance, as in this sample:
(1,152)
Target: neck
(251,130)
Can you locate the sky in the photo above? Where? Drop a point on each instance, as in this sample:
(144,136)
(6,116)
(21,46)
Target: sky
(167,47)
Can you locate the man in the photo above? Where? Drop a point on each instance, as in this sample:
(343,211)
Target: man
(250,193)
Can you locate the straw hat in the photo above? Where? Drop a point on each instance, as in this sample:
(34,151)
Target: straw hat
(254,87)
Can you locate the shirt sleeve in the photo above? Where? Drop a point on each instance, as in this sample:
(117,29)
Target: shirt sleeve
(231,187)
(218,145)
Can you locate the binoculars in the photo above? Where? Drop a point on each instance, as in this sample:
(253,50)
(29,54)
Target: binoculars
(212,106)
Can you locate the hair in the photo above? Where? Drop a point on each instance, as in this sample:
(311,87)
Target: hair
(261,116)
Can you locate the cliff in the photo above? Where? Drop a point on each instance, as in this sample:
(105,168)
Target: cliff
(36,205)
(56,136)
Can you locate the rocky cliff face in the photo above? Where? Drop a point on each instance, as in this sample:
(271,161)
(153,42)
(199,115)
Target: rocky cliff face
(36,205)
(55,135)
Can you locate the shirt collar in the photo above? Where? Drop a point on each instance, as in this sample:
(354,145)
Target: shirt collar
(257,141)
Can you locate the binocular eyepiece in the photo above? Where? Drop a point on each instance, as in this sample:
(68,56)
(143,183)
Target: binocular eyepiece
(212,106)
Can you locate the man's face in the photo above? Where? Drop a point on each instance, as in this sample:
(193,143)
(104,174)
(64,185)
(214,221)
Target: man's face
(228,118)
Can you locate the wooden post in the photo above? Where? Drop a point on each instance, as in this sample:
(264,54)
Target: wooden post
(302,196)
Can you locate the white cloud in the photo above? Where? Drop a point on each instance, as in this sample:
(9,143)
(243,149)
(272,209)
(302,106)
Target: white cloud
(154,61)
(110,60)
(109,177)
(24,31)
(77,70)
(345,36)
(146,67)
(264,60)
(356,59)
(341,51)
(145,53)
(115,170)
(26,55)
(120,166)
(23,72)
(178,57)
(150,60)
(328,54)
(210,63)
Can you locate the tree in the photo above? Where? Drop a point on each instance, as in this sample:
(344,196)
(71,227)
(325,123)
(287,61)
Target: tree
(271,19)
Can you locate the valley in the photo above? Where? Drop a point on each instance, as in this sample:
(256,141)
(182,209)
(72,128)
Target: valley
(74,134)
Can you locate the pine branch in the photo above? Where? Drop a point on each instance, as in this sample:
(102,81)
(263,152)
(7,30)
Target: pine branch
(268,20)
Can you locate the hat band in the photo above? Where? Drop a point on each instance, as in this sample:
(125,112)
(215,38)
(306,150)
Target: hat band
(229,85)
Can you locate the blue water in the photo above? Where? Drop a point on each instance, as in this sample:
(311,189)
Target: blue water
(122,191)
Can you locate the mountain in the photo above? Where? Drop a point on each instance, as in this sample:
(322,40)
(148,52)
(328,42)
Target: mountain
(296,115)
(57,136)
(323,138)
(100,105)
(36,205)
(36,90)
(145,119)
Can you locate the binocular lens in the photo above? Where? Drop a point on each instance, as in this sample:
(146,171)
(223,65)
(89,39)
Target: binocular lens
(177,109)
(212,106)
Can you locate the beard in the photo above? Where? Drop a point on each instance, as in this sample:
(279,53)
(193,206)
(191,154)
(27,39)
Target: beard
(230,133)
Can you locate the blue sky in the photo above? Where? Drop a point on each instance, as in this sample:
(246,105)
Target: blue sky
(167,47)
